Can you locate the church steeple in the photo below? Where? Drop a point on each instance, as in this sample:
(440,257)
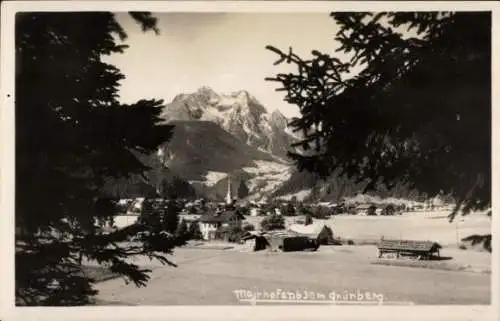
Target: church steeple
(229,198)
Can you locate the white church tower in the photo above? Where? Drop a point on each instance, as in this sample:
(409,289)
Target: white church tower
(229,198)
(161,157)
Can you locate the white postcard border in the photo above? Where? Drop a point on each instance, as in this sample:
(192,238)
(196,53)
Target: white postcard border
(9,312)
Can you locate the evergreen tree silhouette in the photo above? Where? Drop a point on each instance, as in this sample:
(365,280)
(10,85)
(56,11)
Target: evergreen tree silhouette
(401,109)
(72,134)
(242,190)
(182,232)
(194,231)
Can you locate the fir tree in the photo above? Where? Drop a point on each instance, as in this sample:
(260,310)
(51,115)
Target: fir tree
(170,216)
(242,190)
(288,210)
(412,109)
(273,222)
(182,232)
(308,220)
(194,231)
(72,134)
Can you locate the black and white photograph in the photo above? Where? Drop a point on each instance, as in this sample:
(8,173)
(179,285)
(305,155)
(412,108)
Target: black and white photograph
(250,158)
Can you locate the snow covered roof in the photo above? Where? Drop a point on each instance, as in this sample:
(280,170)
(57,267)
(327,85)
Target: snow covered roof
(312,229)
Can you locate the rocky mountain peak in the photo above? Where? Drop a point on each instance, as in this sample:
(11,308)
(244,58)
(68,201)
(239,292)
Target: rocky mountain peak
(206,92)
(278,119)
(239,113)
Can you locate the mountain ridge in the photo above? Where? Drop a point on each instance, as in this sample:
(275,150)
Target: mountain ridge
(239,113)
(231,136)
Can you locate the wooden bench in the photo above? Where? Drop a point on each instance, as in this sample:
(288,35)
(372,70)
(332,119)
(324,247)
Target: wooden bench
(421,249)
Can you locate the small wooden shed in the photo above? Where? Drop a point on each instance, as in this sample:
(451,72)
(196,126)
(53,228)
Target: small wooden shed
(421,249)
(291,242)
(255,242)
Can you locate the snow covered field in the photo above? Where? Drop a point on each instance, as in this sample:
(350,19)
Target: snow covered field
(268,176)
(213,178)
(432,226)
(301,195)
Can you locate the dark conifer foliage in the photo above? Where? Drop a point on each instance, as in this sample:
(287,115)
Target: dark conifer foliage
(177,188)
(412,109)
(273,222)
(243,190)
(71,135)
(194,231)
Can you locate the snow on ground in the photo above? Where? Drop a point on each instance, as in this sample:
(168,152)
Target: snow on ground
(342,269)
(414,225)
(430,225)
(213,178)
(267,177)
(267,167)
(369,199)
(300,195)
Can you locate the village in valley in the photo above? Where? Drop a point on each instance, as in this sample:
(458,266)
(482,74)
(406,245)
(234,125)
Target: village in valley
(306,226)
(403,238)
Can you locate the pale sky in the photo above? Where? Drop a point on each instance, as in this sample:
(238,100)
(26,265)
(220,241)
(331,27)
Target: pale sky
(225,51)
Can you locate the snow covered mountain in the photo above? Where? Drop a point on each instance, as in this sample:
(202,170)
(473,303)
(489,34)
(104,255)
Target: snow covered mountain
(221,137)
(239,113)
